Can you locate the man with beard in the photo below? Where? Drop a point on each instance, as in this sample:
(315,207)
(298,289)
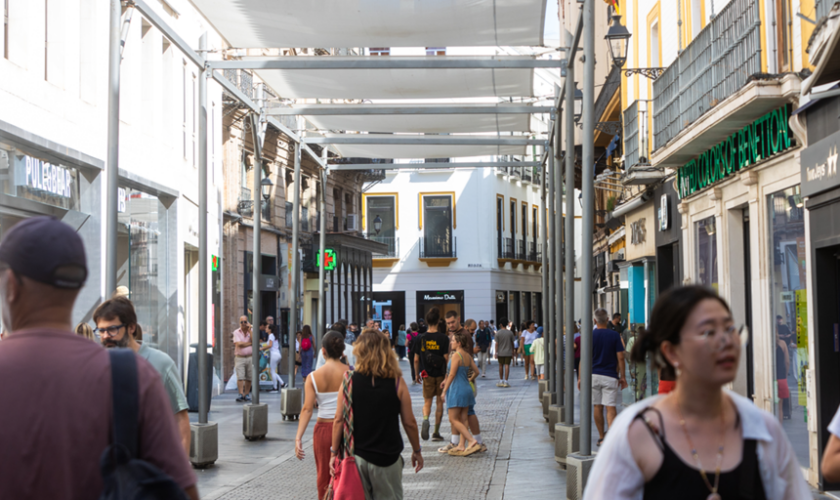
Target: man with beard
(116,323)
(42,268)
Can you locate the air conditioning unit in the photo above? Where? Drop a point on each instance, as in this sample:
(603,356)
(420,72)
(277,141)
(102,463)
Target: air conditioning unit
(352,222)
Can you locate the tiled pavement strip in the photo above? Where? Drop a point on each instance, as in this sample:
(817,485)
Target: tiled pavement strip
(480,476)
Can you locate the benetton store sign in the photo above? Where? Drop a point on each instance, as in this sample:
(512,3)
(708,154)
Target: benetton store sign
(763,138)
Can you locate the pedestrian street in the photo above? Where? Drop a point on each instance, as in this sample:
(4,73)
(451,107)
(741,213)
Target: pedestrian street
(519,462)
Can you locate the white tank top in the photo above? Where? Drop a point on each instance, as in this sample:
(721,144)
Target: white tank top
(327,401)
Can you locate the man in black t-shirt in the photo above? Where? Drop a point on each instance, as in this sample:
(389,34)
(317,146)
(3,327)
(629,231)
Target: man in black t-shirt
(432,350)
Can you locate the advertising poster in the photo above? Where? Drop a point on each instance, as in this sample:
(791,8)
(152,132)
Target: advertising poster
(382,315)
(802,343)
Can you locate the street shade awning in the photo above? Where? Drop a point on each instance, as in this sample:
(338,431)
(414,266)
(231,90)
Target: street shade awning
(430,124)
(376,23)
(398,83)
(422,151)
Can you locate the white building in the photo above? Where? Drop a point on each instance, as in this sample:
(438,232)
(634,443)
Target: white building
(464,239)
(54,115)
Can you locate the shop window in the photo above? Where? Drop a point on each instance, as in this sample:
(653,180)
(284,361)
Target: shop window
(142,255)
(707,260)
(788,305)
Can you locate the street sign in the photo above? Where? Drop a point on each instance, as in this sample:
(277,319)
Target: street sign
(215,260)
(330,259)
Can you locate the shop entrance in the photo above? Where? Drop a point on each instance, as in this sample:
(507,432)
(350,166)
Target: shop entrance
(445,301)
(501,307)
(827,325)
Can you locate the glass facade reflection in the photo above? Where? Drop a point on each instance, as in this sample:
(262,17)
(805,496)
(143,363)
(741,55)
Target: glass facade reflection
(142,255)
(707,258)
(789,306)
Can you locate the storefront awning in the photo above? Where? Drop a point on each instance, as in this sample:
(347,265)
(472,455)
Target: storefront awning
(429,124)
(376,23)
(422,151)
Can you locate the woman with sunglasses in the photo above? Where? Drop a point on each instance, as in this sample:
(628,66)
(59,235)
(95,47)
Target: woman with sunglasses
(700,442)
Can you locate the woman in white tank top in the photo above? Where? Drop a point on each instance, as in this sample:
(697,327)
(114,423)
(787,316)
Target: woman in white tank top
(322,386)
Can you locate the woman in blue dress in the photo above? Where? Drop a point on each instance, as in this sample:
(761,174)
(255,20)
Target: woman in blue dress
(458,394)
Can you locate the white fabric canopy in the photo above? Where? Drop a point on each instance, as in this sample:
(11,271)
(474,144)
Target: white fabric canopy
(398,83)
(422,151)
(433,124)
(376,23)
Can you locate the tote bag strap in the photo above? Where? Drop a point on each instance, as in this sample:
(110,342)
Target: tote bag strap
(347,388)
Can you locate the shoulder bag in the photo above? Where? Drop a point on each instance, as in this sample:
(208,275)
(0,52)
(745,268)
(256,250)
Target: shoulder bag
(346,483)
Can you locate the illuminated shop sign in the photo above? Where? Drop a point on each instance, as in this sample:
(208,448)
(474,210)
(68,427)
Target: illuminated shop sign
(763,138)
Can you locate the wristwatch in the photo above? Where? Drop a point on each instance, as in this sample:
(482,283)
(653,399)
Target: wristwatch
(418,451)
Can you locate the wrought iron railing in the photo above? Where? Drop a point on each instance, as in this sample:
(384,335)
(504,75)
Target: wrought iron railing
(636,148)
(534,252)
(822,7)
(537,176)
(501,170)
(242,79)
(438,247)
(393,243)
(304,219)
(527,174)
(715,65)
(289,214)
(520,249)
(515,171)
(506,248)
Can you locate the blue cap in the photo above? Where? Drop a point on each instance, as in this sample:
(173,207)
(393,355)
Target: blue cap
(539,329)
(46,250)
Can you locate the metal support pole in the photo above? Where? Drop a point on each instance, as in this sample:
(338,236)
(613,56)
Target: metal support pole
(570,240)
(256,258)
(544,257)
(557,358)
(293,313)
(549,270)
(203,237)
(588,191)
(322,241)
(112,168)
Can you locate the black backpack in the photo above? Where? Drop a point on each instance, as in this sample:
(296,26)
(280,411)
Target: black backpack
(124,476)
(431,360)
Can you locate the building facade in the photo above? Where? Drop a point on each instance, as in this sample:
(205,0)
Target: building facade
(53,149)
(446,251)
(712,167)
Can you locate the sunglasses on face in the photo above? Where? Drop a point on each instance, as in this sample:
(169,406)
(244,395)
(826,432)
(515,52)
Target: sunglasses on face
(108,331)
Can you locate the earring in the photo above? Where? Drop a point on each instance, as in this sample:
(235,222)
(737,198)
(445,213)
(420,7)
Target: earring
(677,368)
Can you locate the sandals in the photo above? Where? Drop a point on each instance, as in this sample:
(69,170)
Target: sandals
(472,449)
(446,449)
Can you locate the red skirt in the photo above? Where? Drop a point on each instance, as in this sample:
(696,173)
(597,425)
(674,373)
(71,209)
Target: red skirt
(666,386)
(784,390)
(321,442)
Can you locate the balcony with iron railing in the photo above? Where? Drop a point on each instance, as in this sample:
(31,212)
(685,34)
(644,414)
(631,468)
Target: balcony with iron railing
(534,252)
(501,170)
(520,249)
(637,167)
(822,8)
(713,67)
(438,251)
(393,243)
(506,249)
(527,174)
(242,79)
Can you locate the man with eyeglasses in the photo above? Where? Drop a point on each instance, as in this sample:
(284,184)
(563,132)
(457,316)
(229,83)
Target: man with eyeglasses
(242,359)
(116,324)
(42,269)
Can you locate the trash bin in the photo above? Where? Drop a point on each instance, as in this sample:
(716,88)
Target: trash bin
(192,379)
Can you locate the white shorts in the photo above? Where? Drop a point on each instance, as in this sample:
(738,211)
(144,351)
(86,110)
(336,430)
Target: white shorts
(540,369)
(605,390)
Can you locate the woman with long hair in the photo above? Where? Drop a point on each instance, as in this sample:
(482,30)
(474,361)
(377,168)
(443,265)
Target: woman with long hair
(401,342)
(307,351)
(322,387)
(458,394)
(700,441)
(379,400)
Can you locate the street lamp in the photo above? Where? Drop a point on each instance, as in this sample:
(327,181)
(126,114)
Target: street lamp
(265,188)
(618,38)
(578,103)
(377,224)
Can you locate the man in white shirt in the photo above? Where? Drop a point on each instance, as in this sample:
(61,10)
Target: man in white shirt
(348,348)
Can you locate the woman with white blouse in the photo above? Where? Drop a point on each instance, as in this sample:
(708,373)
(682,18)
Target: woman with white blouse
(700,442)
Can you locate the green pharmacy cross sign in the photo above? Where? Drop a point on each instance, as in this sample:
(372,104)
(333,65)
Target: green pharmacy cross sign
(761,139)
(330,259)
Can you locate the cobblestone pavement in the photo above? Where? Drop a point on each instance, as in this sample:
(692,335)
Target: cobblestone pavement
(282,476)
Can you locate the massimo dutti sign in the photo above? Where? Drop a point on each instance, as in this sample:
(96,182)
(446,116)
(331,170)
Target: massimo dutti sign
(761,139)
